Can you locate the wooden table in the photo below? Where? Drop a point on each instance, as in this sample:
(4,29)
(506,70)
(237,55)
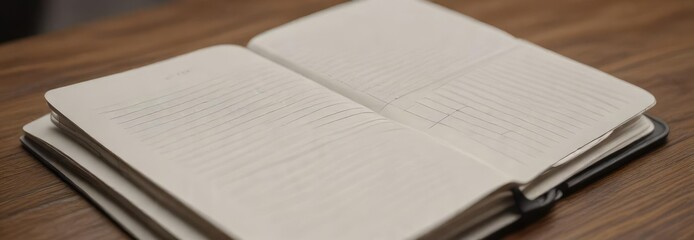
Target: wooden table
(649,43)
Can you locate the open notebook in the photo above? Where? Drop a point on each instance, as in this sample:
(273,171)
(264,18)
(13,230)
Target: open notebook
(371,119)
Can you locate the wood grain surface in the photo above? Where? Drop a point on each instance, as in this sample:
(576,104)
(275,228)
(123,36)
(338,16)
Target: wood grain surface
(649,43)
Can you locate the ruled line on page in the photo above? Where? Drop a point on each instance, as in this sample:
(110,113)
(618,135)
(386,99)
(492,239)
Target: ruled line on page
(245,146)
(486,143)
(501,107)
(221,137)
(571,85)
(227,129)
(522,101)
(186,97)
(190,119)
(231,101)
(495,127)
(589,79)
(186,111)
(514,126)
(483,129)
(304,145)
(560,93)
(129,104)
(388,74)
(558,119)
(322,172)
(555,104)
(153,114)
(173,103)
(227,117)
(248,168)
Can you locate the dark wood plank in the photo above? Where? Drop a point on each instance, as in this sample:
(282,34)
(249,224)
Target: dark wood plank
(649,43)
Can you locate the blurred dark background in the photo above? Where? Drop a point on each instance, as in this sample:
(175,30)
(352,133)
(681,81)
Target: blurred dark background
(23,18)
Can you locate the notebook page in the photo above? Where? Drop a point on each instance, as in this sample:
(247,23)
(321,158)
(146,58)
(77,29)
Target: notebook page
(99,181)
(509,103)
(620,138)
(261,152)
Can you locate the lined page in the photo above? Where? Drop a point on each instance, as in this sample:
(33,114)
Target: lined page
(379,51)
(507,102)
(620,138)
(104,185)
(261,152)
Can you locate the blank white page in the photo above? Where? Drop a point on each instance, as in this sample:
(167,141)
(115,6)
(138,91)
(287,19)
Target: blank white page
(263,153)
(509,103)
